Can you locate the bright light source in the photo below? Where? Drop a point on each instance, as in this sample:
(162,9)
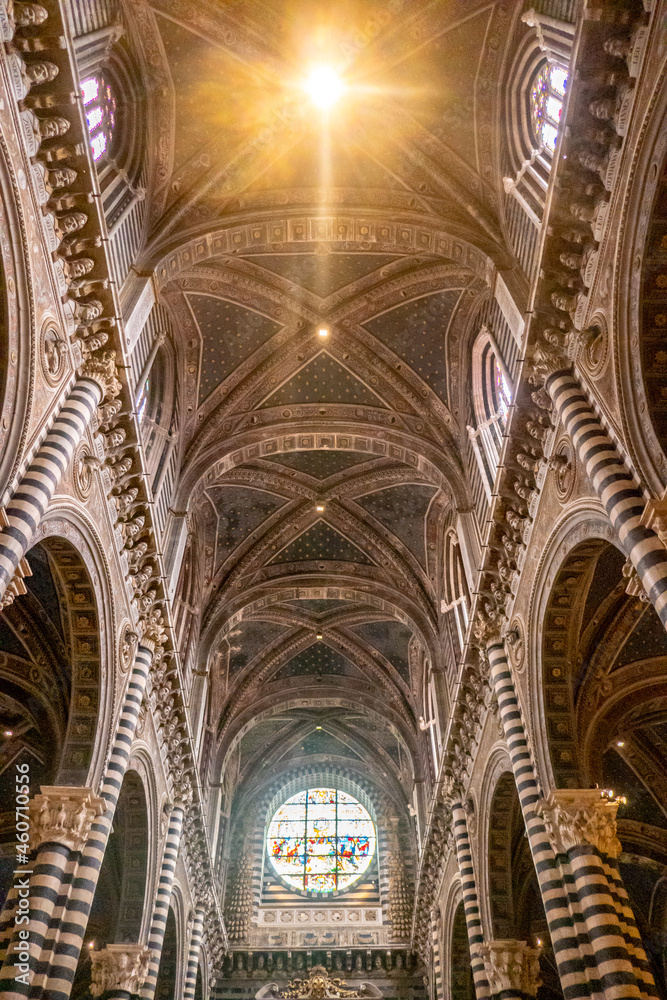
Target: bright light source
(539,942)
(620,743)
(8,732)
(318,727)
(319,636)
(324,86)
(323,332)
(320,507)
(91,944)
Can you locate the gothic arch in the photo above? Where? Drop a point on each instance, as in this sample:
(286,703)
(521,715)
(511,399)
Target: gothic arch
(449,907)
(317,698)
(20,344)
(64,625)
(629,332)
(583,520)
(496,769)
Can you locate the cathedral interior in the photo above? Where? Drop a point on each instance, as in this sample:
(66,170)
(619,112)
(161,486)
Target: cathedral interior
(333,499)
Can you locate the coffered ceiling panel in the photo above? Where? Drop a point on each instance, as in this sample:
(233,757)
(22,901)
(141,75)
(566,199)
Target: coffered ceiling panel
(230,333)
(317,660)
(321,541)
(403,510)
(323,380)
(323,274)
(392,640)
(416,332)
(250,638)
(240,511)
(322,606)
(320,464)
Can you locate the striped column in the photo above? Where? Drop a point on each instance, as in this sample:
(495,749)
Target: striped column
(573,953)
(62,946)
(582,824)
(162,900)
(470,900)
(33,494)
(627,922)
(60,822)
(436,933)
(621,498)
(7,920)
(193,956)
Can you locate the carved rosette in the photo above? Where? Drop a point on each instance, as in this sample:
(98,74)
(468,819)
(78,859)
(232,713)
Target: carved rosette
(119,967)
(103,371)
(581,816)
(512,965)
(63,815)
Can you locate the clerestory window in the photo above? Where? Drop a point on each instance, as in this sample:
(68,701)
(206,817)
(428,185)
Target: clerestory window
(546,104)
(100,106)
(492,397)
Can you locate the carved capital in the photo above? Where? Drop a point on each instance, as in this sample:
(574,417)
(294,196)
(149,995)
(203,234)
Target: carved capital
(655,517)
(103,371)
(512,965)
(16,587)
(152,629)
(119,967)
(489,630)
(581,816)
(63,815)
(546,359)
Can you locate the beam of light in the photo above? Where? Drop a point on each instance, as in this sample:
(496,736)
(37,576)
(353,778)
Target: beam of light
(324,87)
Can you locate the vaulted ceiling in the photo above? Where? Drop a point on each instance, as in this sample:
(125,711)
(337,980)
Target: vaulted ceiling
(320,473)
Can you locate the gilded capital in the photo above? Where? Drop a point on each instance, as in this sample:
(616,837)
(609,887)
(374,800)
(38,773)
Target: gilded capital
(63,815)
(511,965)
(581,816)
(119,967)
(103,371)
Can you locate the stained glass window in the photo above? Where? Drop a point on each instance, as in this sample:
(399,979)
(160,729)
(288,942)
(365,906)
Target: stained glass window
(321,840)
(100,107)
(546,101)
(502,392)
(143,399)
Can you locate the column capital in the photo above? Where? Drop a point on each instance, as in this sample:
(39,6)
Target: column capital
(63,815)
(575,816)
(152,630)
(103,371)
(119,967)
(489,630)
(511,965)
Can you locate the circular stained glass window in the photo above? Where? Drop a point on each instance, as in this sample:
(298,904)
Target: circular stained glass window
(321,840)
